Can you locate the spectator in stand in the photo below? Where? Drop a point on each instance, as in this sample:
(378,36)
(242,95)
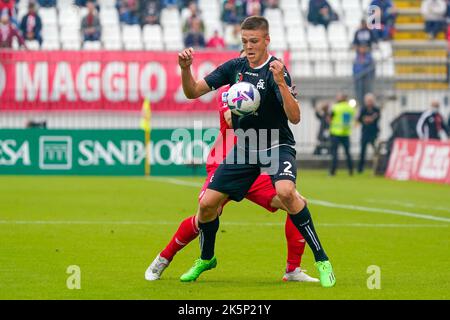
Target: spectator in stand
(8,32)
(273,4)
(188,12)
(216,41)
(185,3)
(363,73)
(129,11)
(80,3)
(195,38)
(151,10)
(8,6)
(364,36)
(90,24)
(170,3)
(253,8)
(431,123)
(47,3)
(387,19)
(233,11)
(31,25)
(321,12)
(188,25)
(434,12)
(368,118)
(233,37)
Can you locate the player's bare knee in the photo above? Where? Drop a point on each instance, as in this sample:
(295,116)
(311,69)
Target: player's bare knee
(287,194)
(207,210)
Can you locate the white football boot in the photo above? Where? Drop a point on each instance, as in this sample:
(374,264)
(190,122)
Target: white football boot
(298,275)
(155,270)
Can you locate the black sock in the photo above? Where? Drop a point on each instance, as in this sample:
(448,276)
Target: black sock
(208,232)
(304,224)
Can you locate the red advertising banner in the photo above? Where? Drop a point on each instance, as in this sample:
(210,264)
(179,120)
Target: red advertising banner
(420,160)
(102,80)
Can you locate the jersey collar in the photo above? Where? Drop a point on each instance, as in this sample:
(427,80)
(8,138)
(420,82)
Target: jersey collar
(261,66)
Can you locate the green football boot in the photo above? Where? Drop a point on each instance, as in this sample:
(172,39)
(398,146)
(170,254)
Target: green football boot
(198,268)
(327,278)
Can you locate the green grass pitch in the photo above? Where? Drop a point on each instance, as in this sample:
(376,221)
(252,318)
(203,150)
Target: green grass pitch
(112,228)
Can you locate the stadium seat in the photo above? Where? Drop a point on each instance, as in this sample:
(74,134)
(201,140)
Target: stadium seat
(50,33)
(170,17)
(316,37)
(296,36)
(32,44)
(289,5)
(107,4)
(152,36)
(70,38)
(275,17)
(63,4)
(385,68)
(277,37)
(343,68)
(301,69)
(92,45)
(48,16)
(172,35)
(69,16)
(109,16)
(293,17)
(71,45)
(211,27)
(132,37)
(337,33)
(323,69)
(50,45)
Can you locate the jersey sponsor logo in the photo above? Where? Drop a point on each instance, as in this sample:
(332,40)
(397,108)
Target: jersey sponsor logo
(252,74)
(261,85)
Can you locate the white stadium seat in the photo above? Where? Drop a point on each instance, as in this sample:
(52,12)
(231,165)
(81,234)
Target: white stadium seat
(132,37)
(92,45)
(48,16)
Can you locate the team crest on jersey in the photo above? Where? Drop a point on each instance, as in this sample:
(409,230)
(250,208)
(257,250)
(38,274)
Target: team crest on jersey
(239,77)
(261,85)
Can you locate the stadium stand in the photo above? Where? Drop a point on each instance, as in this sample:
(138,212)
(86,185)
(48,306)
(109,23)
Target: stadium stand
(408,64)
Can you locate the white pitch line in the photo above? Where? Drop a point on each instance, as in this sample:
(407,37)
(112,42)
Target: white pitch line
(409,204)
(257,224)
(332,204)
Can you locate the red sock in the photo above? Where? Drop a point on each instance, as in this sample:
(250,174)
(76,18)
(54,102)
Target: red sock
(187,231)
(295,245)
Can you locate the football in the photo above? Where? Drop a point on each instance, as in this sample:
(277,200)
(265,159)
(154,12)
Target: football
(243,98)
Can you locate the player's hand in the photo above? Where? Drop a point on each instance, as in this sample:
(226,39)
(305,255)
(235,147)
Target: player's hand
(277,68)
(185,58)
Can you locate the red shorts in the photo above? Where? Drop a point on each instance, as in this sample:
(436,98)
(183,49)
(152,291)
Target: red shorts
(261,192)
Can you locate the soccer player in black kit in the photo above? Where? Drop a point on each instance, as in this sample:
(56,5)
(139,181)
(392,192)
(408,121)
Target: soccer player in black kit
(274,146)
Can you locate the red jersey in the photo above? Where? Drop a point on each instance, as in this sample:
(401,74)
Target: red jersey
(225,140)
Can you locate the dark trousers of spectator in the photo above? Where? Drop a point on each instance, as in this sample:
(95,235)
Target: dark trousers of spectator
(92,37)
(47,3)
(335,142)
(434,27)
(363,85)
(365,141)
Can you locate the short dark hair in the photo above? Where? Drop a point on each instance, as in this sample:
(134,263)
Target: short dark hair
(255,23)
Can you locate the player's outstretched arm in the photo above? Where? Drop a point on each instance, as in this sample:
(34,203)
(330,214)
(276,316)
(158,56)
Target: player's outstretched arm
(290,104)
(191,87)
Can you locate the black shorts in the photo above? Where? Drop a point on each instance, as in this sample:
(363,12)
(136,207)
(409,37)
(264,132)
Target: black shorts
(235,176)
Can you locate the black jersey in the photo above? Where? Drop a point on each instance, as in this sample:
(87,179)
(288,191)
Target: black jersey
(270,114)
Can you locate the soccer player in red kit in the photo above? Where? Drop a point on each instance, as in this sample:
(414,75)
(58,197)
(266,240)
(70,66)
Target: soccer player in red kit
(262,193)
